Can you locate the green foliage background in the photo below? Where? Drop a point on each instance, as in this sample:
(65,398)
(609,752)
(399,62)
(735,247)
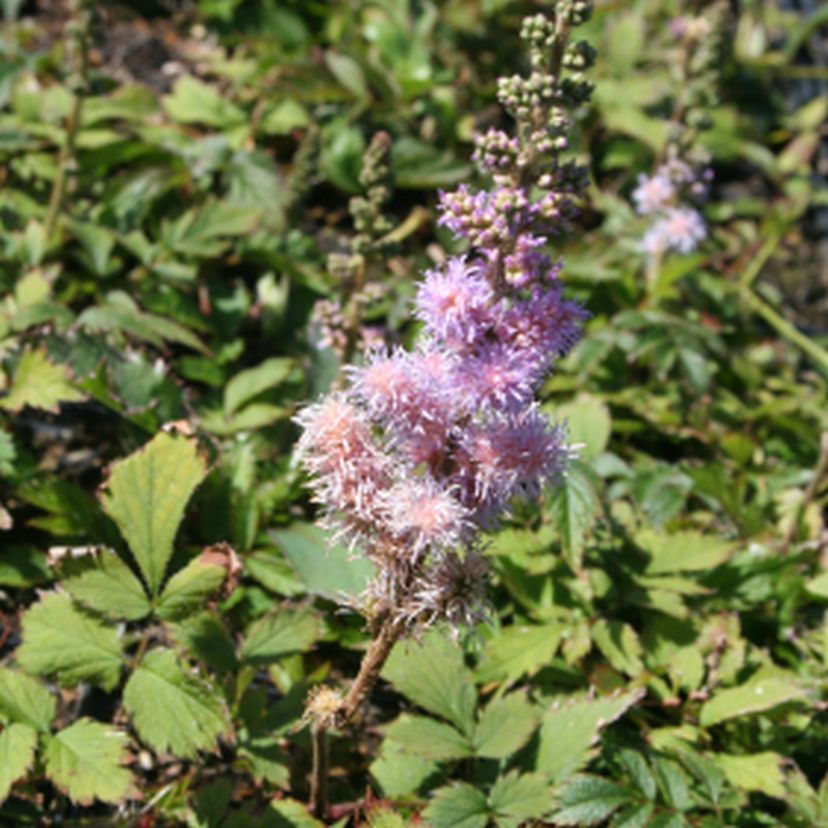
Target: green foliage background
(173,179)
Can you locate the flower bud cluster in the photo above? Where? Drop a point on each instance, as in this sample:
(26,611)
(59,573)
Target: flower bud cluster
(425,449)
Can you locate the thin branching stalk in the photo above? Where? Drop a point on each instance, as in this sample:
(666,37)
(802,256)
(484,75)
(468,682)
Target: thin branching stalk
(79,38)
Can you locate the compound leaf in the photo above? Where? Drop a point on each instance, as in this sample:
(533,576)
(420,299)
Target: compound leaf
(60,640)
(172,710)
(146,496)
(86,762)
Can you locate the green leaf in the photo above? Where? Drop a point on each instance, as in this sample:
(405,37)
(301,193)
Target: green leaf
(625,42)
(588,424)
(432,674)
(110,587)
(189,589)
(17,751)
(86,760)
(284,116)
(590,800)
(620,644)
(570,729)
(428,738)
(61,641)
(266,760)
(24,699)
(673,783)
(248,384)
(329,571)
(818,586)
(505,726)
(172,710)
(206,638)
(195,102)
(279,634)
(517,798)
(517,651)
(39,383)
(683,551)
(146,496)
(759,772)
(457,806)
(399,772)
(639,770)
(636,816)
(753,697)
(348,72)
(573,506)
(23,566)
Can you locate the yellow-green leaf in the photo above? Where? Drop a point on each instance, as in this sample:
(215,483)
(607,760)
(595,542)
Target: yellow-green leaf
(146,496)
(39,383)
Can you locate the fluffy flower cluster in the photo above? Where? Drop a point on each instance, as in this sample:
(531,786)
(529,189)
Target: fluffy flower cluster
(425,449)
(663,196)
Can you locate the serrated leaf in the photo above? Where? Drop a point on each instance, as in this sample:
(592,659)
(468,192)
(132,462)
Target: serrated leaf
(248,384)
(146,496)
(573,506)
(639,770)
(17,750)
(85,760)
(61,641)
(636,816)
(206,638)
(569,730)
(516,798)
(26,700)
(620,644)
(759,772)
(111,588)
(348,72)
(326,570)
(39,383)
(672,782)
(753,697)
(457,806)
(172,710)
(266,759)
(505,726)
(428,738)
(683,551)
(195,102)
(277,635)
(432,674)
(588,424)
(516,651)
(189,589)
(399,772)
(590,800)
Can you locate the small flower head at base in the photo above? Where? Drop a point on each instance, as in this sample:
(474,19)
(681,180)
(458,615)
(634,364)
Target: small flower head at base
(452,589)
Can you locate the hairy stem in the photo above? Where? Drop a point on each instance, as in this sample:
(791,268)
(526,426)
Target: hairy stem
(372,663)
(319,773)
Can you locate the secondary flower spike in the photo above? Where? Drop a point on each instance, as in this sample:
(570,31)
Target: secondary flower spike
(425,449)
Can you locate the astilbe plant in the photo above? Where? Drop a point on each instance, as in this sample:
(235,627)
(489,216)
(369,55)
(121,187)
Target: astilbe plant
(423,450)
(671,195)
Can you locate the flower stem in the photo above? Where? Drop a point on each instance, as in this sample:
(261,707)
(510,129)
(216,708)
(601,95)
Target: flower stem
(386,634)
(372,663)
(319,773)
